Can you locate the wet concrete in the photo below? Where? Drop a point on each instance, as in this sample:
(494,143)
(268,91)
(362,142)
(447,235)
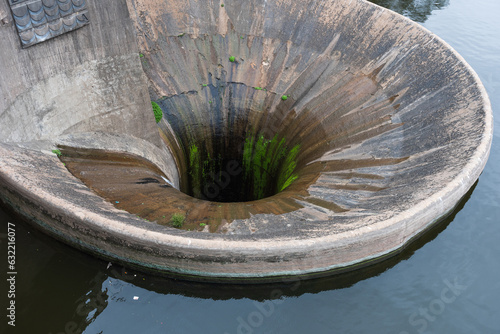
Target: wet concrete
(137,186)
(392,129)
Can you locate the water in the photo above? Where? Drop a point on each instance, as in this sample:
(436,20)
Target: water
(447,283)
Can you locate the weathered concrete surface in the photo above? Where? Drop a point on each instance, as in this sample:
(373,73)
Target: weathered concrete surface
(396,129)
(120,143)
(87,80)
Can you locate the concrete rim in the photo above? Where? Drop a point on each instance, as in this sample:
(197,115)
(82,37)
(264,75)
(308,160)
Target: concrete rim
(408,223)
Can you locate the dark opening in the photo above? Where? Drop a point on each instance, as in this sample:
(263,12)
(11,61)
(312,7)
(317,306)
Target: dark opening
(257,168)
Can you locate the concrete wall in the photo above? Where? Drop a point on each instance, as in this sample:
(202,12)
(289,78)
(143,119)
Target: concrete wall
(87,80)
(92,80)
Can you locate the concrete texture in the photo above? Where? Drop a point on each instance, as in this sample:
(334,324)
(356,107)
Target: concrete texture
(86,80)
(394,129)
(37,21)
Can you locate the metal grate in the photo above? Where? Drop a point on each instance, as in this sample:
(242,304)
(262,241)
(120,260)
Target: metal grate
(40,20)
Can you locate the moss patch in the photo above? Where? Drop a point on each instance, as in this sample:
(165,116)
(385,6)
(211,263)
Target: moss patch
(177,220)
(268,165)
(194,170)
(157,111)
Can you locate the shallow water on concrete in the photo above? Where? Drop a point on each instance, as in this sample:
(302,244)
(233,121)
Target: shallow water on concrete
(445,283)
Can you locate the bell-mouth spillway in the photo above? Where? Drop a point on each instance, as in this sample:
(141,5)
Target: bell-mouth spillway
(286,147)
(242,155)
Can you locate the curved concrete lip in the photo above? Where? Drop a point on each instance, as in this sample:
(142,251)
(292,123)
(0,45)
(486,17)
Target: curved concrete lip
(437,153)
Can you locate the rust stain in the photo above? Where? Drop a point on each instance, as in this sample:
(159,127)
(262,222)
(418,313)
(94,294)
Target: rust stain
(325,204)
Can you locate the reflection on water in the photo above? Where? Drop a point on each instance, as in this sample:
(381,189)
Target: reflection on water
(290,286)
(62,290)
(57,289)
(417,10)
(90,285)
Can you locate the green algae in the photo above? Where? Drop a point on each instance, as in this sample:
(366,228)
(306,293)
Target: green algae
(286,176)
(266,167)
(157,111)
(177,220)
(264,161)
(202,169)
(194,170)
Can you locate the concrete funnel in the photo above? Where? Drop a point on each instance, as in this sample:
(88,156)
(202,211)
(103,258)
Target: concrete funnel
(291,138)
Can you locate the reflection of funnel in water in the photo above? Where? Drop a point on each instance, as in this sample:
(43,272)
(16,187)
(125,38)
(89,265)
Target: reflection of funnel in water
(302,145)
(417,10)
